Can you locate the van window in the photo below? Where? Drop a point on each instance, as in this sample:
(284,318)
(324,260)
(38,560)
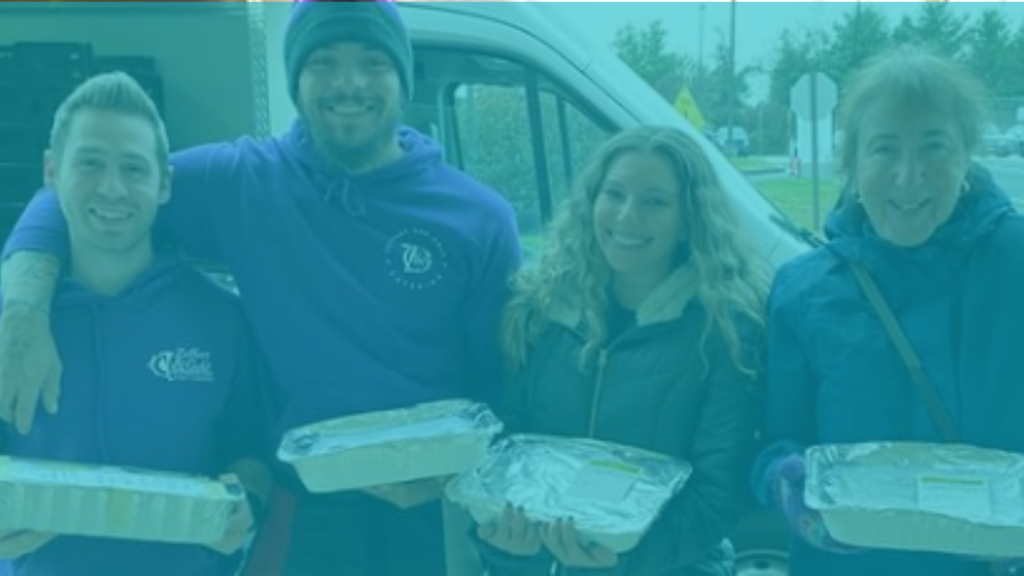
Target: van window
(507,125)
(572,139)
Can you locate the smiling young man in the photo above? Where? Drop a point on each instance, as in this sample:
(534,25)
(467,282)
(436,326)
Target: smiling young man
(158,372)
(372,272)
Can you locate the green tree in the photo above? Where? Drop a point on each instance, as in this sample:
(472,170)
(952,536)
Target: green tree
(646,51)
(1016,65)
(936,27)
(796,54)
(859,35)
(990,52)
(726,98)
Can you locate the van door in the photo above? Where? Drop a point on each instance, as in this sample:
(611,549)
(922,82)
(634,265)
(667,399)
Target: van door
(510,126)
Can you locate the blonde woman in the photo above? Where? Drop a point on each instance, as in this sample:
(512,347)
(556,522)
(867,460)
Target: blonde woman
(640,325)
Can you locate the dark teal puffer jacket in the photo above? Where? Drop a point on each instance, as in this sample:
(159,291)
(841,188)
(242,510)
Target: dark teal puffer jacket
(835,377)
(650,388)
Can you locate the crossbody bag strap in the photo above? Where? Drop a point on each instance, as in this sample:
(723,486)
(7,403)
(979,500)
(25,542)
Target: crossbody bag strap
(932,399)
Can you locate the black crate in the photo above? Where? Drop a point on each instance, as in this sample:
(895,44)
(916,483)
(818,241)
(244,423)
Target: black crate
(134,66)
(21,143)
(154,86)
(19,182)
(16,103)
(46,101)
(31,104)
(53,62)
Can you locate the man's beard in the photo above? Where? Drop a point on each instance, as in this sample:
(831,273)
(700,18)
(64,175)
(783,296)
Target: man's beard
(359,157)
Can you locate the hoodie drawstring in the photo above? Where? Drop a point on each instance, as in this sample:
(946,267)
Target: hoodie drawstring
(351,198)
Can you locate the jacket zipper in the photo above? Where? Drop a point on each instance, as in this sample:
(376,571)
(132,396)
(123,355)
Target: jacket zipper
(557,569)
(602,362)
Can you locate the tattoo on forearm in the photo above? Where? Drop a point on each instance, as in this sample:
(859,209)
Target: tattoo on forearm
(29,278)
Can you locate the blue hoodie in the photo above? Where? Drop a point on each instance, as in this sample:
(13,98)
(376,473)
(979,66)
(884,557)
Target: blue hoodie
(365,292)
(162,377)
(835,377)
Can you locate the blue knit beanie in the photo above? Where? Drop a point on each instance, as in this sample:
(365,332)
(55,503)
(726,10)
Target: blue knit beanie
(314,25)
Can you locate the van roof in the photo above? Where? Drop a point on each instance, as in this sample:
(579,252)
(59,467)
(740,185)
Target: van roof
(546,26)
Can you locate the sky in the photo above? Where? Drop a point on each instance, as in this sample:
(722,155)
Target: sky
(758,24)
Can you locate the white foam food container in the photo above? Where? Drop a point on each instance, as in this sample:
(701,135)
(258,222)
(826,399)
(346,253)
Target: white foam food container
(614,493)
(424,441)
(107,501)
(920,497)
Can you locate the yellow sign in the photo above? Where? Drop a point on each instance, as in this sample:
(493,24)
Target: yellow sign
(687,106)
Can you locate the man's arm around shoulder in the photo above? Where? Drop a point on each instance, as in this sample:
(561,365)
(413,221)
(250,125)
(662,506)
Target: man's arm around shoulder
(30,367)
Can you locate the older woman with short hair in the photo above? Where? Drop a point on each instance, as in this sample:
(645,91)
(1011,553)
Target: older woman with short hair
(945,249)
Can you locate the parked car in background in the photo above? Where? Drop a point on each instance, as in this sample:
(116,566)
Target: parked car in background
(995,143)
(735,144)
(1016,136)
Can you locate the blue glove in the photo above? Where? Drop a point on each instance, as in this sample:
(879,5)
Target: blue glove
(787,481)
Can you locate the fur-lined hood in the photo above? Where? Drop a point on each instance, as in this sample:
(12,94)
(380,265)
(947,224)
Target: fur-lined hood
(665,304)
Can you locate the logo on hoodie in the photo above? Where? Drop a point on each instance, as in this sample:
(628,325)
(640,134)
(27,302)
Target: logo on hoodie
(182,365)
(416,259)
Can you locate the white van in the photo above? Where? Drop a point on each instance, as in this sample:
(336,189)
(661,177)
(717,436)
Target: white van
(547,101)
(511,92)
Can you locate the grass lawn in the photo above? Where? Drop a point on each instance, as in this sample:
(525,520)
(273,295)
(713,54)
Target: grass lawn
(753,163)
(795,198)
(533,243)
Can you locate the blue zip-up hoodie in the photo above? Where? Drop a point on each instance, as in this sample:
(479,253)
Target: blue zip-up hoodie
(162,377)
(835,377)
(365,292)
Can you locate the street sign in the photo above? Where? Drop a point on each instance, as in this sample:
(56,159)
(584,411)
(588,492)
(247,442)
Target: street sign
(811,87)
(813,99)
(686,105)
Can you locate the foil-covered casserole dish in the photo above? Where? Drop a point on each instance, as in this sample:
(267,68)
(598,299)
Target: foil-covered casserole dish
(922,497)
(614,493)
(113,502)
(423,441)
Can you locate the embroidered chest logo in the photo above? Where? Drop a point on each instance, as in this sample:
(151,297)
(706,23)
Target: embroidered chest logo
(182,365)
(416,259)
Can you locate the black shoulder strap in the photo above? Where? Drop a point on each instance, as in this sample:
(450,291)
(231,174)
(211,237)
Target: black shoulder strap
(906,351)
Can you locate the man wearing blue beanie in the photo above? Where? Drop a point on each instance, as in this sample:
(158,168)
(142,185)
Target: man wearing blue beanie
(373,274)
(352,128)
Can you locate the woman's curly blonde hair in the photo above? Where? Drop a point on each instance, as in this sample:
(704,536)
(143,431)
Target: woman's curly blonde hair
(733,281)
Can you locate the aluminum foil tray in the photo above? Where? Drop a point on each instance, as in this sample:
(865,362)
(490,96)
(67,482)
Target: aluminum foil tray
(920,497)
(105,501)
(613,492)
(428,440)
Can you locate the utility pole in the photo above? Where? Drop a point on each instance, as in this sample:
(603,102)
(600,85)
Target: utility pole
(731,107)
(700,54)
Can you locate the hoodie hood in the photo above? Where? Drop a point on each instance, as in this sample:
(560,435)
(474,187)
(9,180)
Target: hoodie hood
(167,267)
(420,154)
(665,304)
